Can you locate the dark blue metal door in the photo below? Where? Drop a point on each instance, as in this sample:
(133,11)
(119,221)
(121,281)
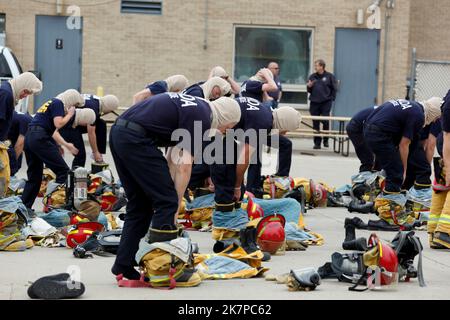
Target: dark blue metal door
(356,69)
(58,56)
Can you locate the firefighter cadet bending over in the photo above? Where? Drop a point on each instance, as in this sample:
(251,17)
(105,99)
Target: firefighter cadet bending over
(257,87)
(175,83)
(10,93)
(153,184)
(355,131)
(257,123)
(388,132)
(210,90)
(97,132)
(16,135)
(439,220)
(42,140)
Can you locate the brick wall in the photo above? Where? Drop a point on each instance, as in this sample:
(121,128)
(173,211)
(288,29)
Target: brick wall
(123,52)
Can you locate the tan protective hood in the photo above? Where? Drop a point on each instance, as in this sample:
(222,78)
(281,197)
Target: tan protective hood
(432,109)
(83,117)
(25,81)
(208,86)
(176,83)
(71,98)
(286,118)
(108,104)
(225,111)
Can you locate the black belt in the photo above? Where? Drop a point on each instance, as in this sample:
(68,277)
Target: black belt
(36,128)
(132,126)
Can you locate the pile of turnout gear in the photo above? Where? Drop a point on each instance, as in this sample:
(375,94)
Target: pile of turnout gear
(376,263)
(402,211)
(80,215)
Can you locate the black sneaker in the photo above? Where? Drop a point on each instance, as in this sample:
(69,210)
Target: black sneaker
(55,288)
(316,147)
(58,277)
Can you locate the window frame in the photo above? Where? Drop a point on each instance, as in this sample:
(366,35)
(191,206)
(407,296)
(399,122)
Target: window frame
(286,87)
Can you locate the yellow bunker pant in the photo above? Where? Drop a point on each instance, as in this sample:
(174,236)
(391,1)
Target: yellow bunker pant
(439,220)
(5,172)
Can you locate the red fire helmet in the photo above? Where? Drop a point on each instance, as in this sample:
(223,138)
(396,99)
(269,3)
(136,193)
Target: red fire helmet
(270,234)
(254,210)
(79,233)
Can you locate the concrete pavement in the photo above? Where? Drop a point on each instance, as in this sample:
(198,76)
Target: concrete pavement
(19,268)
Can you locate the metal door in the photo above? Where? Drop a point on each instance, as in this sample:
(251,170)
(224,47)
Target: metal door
(57,57)
(356,69)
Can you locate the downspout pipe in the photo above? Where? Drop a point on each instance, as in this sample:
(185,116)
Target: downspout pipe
(205,39)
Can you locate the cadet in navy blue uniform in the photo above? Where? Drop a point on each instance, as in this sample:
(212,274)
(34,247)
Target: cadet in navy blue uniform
(10,94)
(228,177)
(40,145)
(355,133)
(255,87)
(155,185)
(322,87)
(254,116)
(210,90)
(175,83)
(420,157)
(389,131)
(97,133)
(16,135)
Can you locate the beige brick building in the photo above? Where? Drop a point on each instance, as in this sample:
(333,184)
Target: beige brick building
(122,51)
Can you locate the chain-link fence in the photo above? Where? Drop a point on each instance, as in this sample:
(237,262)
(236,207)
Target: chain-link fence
(431,78)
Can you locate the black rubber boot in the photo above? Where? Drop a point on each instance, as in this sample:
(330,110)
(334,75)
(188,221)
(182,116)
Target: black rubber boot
(359,244)
(161,235)
(357,222)
(219,246)
(356,206)
(248,242)
(349,232)
(381,225)
(128,272)
(90,245)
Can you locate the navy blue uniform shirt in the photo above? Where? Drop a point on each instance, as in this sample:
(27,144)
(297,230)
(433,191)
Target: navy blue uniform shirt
(6,109)
(252,89)
(46,113)
(162,114)
(274,94)
(324,88)
(158,87)
(194,90)
(254,116)
(445,108)
(19,126)
(92,102)
(401,118)
(361,116)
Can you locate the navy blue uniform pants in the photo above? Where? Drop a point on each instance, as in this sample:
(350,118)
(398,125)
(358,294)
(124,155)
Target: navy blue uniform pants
(385,148)
(320,109)
(41,149)
(14,163)
(223,175)
(151,194)
(418,172)
(284,163)
(363,152)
